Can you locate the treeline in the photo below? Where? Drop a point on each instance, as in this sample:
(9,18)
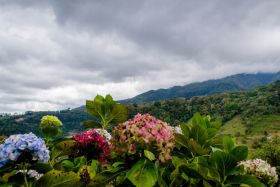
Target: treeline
(256,102)
(259,101)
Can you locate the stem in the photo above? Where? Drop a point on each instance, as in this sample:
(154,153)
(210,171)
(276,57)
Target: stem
(25,180)
(24,175)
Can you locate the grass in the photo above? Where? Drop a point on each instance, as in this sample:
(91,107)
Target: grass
(258,128)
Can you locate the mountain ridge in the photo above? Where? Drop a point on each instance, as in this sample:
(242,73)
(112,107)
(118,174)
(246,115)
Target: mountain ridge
(237,82)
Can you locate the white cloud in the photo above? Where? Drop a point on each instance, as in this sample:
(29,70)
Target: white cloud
(57,54)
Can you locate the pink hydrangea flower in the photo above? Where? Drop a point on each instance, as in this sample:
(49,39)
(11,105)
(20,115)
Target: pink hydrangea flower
(144,132)
(92,145)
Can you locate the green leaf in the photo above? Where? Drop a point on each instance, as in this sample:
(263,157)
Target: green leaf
(116,164)
(196,148)
(56,178)
(149,155)
(93,168)
(199,134)
(96,107)
(119,114)
(240,153)
(92,124)
(190,172)
(176,161)
(108,104)
(228,143)
(66,147)
(244,179)
(41,167)
(185,130)
(198,120)
(225,162)
(181,140)
(68,165)
(143,174)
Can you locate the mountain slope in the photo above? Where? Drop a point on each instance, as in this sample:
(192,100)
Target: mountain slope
(250,105)
(237,82)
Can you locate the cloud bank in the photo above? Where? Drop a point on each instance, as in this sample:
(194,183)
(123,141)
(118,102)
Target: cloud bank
(55,54)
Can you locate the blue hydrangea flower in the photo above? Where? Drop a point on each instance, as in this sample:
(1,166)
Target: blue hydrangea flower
(13,146)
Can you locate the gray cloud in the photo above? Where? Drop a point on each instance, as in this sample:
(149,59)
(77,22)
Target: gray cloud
(55,54)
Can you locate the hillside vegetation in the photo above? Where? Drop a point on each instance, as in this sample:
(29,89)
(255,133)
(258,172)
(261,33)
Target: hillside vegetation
(256,110)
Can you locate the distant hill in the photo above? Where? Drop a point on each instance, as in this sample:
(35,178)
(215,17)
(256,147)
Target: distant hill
(237,82)
(251,106)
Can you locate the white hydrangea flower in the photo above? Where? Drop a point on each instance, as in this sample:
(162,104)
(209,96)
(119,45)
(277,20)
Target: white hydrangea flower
(105,134)
(31,173)
(260,169)
(177,130)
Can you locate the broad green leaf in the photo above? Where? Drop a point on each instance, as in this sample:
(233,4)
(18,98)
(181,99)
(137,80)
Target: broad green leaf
(93,168)
(108,104)
(176,161)
(68,165)
(212,132)
(198,120)
(149,155)
(199,134)
(244,179)
(103,178)
(66,147)
(41,167)
(225,163)
(119,114)
(228,143)
(92,124)
(206,184)
(143,174)
(196,148)
(240,153)
(190,172)
(56,178)
(185,130)
(116,164)
(181,140)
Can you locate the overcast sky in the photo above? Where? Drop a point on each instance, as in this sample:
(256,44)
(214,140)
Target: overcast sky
(55,54)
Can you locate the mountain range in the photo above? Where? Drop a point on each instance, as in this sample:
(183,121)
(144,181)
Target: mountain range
(238,82)
(224,99)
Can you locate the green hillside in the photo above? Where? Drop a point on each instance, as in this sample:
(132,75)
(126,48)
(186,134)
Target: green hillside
(257,110)
(237,82)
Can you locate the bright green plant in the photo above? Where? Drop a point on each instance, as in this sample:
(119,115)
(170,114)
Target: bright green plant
(106,111)
(50,127)
(202,159)
(198,137)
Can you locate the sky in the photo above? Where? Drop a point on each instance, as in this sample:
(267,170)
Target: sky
(55,54)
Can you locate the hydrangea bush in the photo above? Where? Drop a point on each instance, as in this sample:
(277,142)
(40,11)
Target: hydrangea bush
(144,132)
(261,169)
(92,145)
(17,144)
(104,133)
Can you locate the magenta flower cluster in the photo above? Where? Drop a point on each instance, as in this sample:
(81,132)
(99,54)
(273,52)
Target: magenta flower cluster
(93,145)
(143,132)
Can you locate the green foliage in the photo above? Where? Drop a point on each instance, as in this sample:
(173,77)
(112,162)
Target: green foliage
(206,162)
(199,136)
(106,111)
(77,164)
(143,173)
(50,126)
(56,178)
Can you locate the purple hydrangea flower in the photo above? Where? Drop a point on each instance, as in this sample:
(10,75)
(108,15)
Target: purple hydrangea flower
(13,146)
